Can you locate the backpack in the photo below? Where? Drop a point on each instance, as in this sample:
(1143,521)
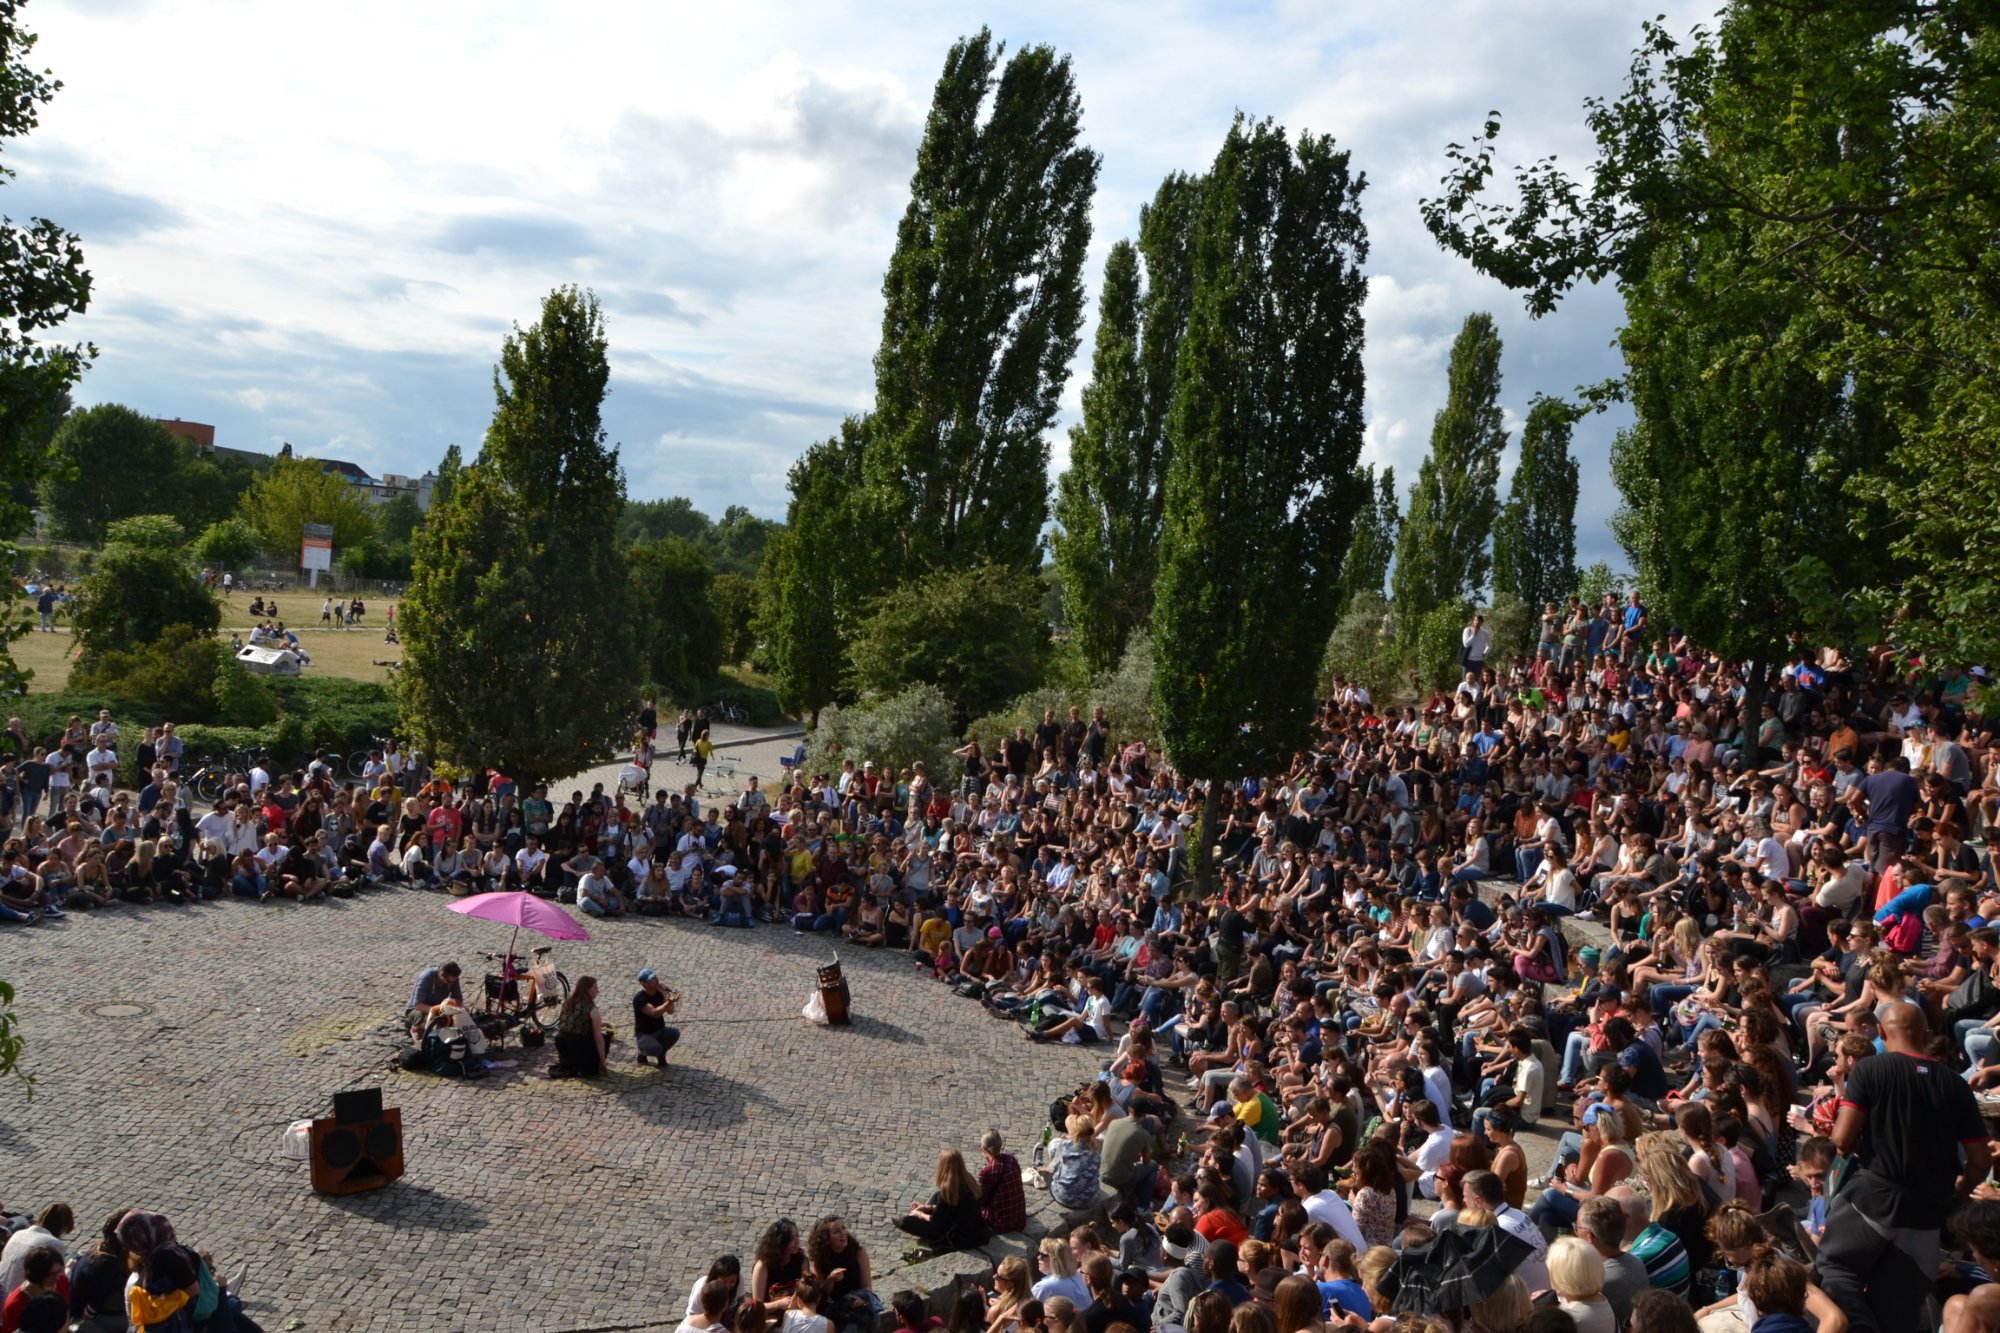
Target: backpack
(412,1059)
(208,1296)
(452,1057)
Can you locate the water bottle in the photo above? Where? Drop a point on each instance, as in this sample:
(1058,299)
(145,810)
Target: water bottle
(1035,1015)
(1042,1148)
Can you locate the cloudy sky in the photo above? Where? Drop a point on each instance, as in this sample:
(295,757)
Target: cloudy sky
(319,232)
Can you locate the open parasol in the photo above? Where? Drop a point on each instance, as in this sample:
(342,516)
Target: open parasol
(519,910)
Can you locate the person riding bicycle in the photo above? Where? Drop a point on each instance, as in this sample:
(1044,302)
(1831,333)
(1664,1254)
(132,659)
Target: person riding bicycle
(434,986)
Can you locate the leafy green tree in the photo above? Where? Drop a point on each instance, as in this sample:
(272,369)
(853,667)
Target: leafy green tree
(1441,556)
(1265,428)
(736,541)
(656,520)
(397,521)
(110,463)
(976,634)
(680,638)
(1598,579)
(817,571)
(1108,526)
(298,491)
(983,303)
(42,283)
(733,599)
(142,582)
(1742,452)
(517,580)
(1534,537)
(1375,527)
(228,544)
(1845,152)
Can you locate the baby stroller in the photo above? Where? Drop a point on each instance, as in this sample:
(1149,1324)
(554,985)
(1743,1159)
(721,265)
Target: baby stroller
(635,780)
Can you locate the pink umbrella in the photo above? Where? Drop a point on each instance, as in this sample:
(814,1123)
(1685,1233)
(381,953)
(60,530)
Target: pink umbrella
(522,909)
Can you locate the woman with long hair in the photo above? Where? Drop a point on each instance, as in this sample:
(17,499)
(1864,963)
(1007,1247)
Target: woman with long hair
(839,1260)
(779,1262)
(1678,1203)
(1709,1160)
(580,1039)
(951,1219)
(1010,1294)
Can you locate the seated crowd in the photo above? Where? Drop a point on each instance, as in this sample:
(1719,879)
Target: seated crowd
(1760,1078)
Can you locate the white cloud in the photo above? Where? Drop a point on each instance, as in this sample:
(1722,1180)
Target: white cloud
(321,231)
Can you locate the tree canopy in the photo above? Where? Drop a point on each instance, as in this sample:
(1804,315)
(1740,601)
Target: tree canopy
(983,303)
(517,584)
(1441,552)
(296,491)
(1266,428)
(976,634)
(1839,159)
(1534,537)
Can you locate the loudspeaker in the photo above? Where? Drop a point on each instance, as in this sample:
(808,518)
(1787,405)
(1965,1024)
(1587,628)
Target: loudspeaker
(351,1153)
(359,1105)
(833,993)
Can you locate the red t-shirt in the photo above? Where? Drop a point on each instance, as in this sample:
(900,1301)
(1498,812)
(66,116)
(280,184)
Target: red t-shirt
(16,1303)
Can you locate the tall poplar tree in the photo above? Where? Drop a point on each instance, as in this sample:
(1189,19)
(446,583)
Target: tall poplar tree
(516,651)
(1534,538)
(1265,428)
(1441,555)
(983,303)
(1110,500)
(1367,564)
(817,571)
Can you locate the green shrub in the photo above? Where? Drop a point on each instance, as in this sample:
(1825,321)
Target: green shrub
(241,699)
(1124,692)
(200,744)
(1363,647)
(343,715)
(174,676)
(895,731)
(1439,642)
(760,703)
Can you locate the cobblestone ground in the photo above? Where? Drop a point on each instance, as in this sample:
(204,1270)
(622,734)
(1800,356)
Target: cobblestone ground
(528,1203)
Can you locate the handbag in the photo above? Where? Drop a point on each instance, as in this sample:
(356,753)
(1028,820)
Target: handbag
(1976,997)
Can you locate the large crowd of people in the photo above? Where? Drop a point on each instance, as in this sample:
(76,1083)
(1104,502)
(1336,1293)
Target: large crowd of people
(1737,971)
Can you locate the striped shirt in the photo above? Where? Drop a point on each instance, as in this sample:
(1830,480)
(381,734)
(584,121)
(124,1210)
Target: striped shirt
(1665,1257)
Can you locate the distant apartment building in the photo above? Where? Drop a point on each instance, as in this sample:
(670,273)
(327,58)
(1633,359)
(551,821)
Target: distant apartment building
(373,490)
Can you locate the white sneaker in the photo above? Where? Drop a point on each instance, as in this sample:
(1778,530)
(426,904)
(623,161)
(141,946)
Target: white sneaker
(236,1282)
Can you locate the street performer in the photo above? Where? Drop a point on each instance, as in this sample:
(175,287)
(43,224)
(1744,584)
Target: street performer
(651,1008)
(435,985)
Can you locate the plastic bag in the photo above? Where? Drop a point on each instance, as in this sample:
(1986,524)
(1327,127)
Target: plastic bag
(815,1010)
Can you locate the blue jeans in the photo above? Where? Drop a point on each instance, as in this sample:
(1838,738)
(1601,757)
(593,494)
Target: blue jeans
(1525,861)
(1664,998)
(1575,1050)
(1554,1210)
(1982,1048)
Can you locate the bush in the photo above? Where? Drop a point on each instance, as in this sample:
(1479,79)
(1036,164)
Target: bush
(200,744)
(1439,642)
(1125,693)
(895,731)
(229,544)
(343,715)
(1513,624)
(174,675)
(1363,647)
(977,634)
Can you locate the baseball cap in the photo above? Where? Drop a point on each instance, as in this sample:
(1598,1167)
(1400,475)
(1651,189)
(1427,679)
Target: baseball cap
(648,974)
(993,932)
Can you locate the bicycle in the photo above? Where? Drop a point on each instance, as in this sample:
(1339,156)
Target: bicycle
(216,776)
(724,711)
(539,1002)
(357,763)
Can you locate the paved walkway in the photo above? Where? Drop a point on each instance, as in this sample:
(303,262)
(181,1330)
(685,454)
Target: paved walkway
(171,1046)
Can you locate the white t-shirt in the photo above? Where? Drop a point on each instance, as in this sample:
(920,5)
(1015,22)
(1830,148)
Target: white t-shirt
(1528,1078)
(1773,860)
(1534,1270)
(214,826)
(798,1321)
(1562,889)
(1330,1208)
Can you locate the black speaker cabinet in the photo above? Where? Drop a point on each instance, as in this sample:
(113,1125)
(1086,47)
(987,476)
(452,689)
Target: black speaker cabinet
(360,1147)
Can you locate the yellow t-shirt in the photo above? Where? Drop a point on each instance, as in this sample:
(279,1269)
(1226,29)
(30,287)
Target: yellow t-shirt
(931,936)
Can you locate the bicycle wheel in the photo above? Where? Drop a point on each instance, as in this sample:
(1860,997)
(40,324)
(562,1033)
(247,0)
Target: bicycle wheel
(209,786)
(549,1002)
(357,764)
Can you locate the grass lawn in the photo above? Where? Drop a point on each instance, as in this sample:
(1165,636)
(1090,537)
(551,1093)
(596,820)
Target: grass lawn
(349,653)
